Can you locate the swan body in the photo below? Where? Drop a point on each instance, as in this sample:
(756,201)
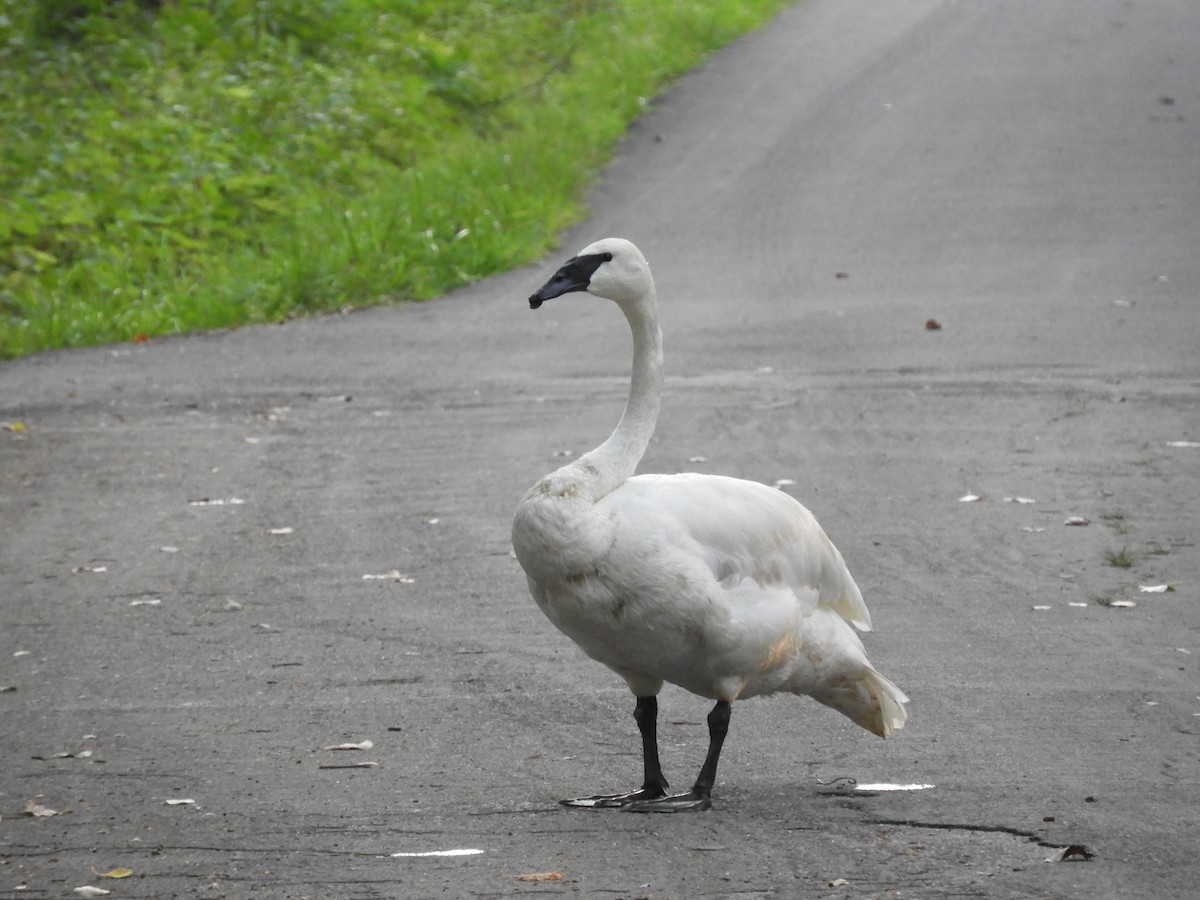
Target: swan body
(727,588)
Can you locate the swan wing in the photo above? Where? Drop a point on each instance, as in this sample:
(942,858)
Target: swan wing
(745,532)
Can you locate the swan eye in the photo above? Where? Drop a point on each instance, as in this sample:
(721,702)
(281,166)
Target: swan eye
(607,257)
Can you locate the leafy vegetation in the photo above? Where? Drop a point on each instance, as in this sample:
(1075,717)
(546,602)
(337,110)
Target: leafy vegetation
(170,166)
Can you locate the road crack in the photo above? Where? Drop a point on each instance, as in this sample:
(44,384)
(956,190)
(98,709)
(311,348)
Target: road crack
(960,826)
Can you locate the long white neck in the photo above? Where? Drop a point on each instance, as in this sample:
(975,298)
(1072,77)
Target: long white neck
(610,464)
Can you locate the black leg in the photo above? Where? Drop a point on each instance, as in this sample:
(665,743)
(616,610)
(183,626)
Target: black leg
(654,785)
(646,716)
(699,797)
(718,727)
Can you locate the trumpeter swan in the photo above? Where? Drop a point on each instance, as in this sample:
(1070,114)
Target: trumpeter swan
(727,588)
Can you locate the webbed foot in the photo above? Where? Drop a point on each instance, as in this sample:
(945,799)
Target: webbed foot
(616,801)
(693,801)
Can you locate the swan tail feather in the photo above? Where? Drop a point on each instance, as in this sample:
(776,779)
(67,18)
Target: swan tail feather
(871,701)
(852,608)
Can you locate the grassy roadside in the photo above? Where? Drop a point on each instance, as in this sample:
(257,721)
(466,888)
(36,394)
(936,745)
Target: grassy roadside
(173,166)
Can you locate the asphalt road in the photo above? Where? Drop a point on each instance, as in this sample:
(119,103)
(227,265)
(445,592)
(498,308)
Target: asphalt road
(191,529)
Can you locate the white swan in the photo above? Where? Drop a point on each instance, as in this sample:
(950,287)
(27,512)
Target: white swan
(727,588)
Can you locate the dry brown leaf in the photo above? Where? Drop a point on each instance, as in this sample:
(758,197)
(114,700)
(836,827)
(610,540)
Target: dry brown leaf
(541,876)
(33,808)
(1075,851)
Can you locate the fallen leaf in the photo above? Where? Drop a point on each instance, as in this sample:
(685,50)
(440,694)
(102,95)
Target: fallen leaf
(1192,444)
(390,575)
(118,872)
(145,602)
(362,745)
(22,653)
(33,808)
(1075,851)
(462,852)
(933,325)
(1019,500)
(96,569)
(284,530)
(970,498)
(179,801)
(541,876)
(1121,604)
(90,890)
(15,427)
(1041,607)
(1077,604)
(838,882)
(1155,588)
(1076,520)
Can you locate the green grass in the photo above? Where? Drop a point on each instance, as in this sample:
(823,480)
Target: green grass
(173,166)
(1120,559)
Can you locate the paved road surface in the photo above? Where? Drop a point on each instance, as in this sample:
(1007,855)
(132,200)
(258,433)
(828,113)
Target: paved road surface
(1026,174)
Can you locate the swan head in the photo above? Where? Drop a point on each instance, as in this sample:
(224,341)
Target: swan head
(612,268)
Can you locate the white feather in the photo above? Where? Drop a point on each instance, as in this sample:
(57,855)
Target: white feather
(727,588)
